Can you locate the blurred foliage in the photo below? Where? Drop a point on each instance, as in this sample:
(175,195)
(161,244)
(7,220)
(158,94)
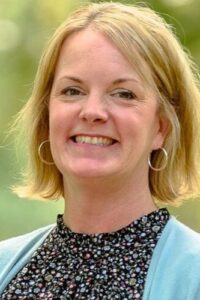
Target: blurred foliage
(25,26)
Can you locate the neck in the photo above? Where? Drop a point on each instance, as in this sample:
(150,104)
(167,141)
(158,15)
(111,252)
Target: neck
(97,208)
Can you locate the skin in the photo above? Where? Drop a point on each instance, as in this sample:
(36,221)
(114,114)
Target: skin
(97,93)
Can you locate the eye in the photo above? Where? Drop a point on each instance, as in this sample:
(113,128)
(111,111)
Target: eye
(124,94)
(71,91)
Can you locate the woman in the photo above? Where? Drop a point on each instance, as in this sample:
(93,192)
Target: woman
(112,125)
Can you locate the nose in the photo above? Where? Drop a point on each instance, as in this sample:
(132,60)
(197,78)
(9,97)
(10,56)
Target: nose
(94,110)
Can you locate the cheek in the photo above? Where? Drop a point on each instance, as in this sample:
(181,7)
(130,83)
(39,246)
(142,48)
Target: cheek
(55,125)
(56,130)
(130,123)
(57,117)
(140,129)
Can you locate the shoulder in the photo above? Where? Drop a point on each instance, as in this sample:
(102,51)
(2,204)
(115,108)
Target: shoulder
(17,251)
(20,248)
(19,241)
(174,271)
(180,246)
(181,237)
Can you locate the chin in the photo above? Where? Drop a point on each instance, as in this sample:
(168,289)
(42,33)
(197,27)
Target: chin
(87,171)
(90,173)
(88,168)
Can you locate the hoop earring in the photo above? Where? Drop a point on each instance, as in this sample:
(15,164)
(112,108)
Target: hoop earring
(165,163)
(40,155)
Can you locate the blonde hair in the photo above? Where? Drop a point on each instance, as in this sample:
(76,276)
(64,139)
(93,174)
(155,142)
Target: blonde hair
(150,45)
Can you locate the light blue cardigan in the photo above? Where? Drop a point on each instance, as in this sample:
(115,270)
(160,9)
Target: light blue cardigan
(174,272)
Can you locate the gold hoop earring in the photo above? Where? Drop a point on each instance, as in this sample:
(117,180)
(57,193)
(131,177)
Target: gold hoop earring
(165,163)
(40,155)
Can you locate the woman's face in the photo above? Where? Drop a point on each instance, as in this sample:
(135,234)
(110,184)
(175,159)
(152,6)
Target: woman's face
(102,121)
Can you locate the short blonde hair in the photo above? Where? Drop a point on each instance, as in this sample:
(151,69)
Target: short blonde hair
(142,36)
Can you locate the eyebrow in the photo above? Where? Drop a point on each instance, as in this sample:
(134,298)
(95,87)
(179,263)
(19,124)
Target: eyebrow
(121,80)
(117,81)
(71,78)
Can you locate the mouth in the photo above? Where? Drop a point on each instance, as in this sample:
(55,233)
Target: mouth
(93,140)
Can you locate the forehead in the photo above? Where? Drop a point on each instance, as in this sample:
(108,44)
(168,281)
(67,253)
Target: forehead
(88,41)
(92,49)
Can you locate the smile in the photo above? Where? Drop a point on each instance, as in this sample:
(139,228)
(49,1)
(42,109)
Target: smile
(93,140)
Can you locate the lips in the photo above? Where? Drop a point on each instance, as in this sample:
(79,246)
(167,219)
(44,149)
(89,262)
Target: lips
(93,140)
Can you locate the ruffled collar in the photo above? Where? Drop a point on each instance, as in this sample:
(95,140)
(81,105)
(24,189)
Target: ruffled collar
(140,230)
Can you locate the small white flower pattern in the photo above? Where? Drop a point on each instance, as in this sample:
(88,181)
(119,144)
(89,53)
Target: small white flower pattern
(103,266)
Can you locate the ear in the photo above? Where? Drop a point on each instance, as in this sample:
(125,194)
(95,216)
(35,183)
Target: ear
(163,128)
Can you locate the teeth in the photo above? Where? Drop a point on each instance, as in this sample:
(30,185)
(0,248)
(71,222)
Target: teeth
(100,141)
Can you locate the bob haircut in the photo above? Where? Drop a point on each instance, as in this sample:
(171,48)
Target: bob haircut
(151,47)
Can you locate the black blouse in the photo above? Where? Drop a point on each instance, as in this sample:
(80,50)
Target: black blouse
(101,266)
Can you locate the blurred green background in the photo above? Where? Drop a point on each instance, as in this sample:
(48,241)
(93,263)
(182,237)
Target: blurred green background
(25,26)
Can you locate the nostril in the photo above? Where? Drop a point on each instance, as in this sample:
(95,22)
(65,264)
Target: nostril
(92,119)
(93,115)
